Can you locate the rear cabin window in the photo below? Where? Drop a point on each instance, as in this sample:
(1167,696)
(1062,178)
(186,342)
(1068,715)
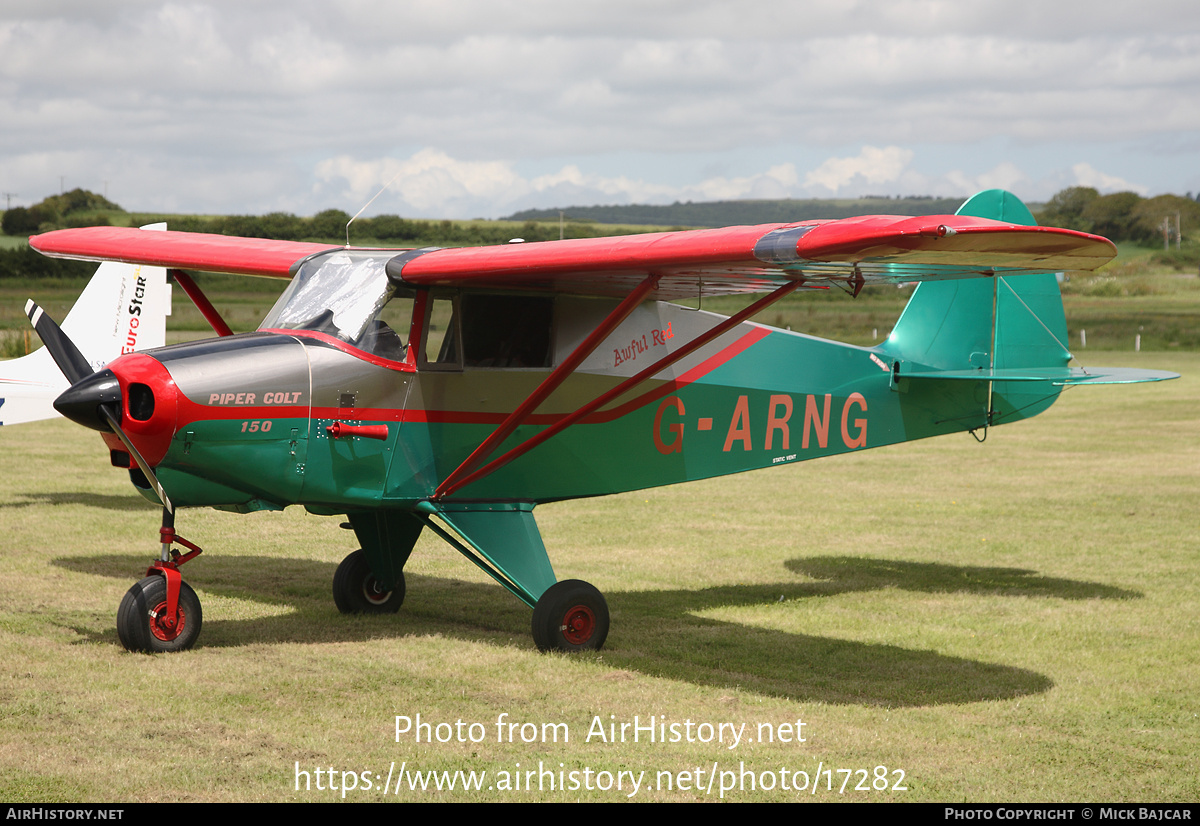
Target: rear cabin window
(496,331)
(506,330)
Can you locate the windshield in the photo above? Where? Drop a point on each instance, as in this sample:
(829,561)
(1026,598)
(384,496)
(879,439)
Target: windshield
(343,295)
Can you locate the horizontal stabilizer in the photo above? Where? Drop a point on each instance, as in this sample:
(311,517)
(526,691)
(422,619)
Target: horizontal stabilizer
(1057,376)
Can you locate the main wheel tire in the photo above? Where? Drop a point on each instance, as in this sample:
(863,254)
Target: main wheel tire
(355,590)
(141,618)
(571,616)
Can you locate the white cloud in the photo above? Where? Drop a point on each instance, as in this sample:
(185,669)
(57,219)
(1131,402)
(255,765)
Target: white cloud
(1087,175)
(1006,175)
(430,182)
(224,99)
(872,165)
(779,181)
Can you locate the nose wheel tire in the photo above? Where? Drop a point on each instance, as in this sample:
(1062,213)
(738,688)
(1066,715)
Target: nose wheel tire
(355,590)
(571,616)
(143,624)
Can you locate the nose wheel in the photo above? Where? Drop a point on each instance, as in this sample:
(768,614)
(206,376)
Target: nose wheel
(162,613)
(145,624)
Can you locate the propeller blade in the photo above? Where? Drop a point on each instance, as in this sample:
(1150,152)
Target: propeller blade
(64,352)
(137,457)
(76,368)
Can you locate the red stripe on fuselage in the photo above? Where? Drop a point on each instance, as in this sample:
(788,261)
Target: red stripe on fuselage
(190,411)
(409,365)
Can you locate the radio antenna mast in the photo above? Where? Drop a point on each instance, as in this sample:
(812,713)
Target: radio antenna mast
(367,204)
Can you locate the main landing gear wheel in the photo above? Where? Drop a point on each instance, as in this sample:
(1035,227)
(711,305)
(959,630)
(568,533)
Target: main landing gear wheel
(355,590)
(142,622)
(571,616)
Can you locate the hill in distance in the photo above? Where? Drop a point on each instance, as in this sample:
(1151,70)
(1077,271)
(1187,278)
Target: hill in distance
(731,213)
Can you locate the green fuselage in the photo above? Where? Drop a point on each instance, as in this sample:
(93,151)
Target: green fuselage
(753,398)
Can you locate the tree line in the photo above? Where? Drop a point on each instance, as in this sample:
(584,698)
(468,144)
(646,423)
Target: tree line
(1120,216)
(79,208)
(330,225)
(744,213)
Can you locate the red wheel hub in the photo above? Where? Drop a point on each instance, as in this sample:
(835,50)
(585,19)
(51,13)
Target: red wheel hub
(374,593)
(579,623)
(161,628)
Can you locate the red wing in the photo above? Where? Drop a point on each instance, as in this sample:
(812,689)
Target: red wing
(710,262)
(178,250)
(759,258)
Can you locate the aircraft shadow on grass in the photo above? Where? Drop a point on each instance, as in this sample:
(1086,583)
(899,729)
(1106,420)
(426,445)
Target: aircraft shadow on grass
(659,633)
(844,574)
(122,502)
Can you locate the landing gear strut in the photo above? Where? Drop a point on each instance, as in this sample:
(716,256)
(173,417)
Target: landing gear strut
(162,613)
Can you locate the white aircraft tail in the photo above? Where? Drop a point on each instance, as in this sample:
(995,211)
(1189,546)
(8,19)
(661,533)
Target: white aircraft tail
(123,308)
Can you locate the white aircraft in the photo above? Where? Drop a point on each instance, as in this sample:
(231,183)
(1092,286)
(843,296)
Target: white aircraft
(122,309)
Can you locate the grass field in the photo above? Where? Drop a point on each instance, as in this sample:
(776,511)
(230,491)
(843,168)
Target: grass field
(1012,621)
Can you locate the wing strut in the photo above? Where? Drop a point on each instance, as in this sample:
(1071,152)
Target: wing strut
(548,386)
(202,303)
(565,422)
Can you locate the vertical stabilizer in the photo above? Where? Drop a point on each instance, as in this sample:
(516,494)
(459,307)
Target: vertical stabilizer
(989,323)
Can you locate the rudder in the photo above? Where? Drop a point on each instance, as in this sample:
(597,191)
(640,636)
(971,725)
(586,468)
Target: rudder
(1002,323)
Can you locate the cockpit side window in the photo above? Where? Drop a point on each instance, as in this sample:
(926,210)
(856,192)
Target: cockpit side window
(386,335)
(440,349)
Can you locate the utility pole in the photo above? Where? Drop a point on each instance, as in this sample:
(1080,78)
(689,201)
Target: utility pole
(8,196)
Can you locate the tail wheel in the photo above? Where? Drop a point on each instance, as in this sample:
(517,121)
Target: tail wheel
(356,591)
(142,622)
(571,616)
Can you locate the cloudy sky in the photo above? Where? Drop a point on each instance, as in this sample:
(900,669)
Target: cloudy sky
(478,108)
